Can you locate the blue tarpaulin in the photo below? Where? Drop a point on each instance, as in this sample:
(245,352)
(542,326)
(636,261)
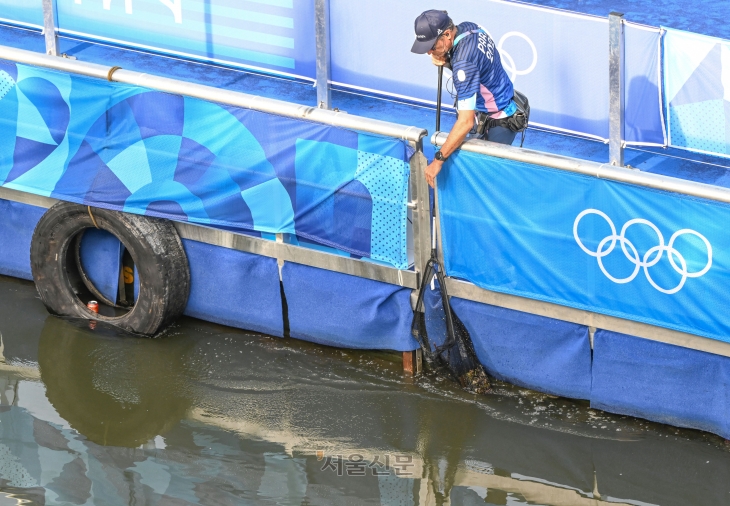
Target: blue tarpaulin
(644,113)
(234,288)
(16,231)
(337,309)
(589,243)
(661,382)
(100,255)
(272,35)
(532,351)
(131,149)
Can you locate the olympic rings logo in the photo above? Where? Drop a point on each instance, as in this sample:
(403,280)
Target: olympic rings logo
(509,63)
(650,258)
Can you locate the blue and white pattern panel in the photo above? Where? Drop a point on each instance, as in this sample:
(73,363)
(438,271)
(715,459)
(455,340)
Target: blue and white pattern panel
(269,35)
(140,151)
(697,88)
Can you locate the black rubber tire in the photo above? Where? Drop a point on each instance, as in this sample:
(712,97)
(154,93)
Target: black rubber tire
(154,244)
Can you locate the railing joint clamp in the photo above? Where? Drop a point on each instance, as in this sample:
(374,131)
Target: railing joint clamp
(111,73)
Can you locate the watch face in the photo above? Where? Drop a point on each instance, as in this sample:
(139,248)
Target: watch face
(439,156)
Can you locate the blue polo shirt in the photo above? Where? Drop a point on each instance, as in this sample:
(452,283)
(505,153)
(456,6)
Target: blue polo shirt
(480,80)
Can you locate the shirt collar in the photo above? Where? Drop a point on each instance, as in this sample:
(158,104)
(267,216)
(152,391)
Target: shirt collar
(462,35)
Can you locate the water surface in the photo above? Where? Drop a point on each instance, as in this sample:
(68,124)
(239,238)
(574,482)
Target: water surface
(213,415)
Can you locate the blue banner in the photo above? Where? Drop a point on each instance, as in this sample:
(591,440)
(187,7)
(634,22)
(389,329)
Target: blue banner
(603,246)
(131,149)
(557,58)
(269,35)
(697,88)
(22,12)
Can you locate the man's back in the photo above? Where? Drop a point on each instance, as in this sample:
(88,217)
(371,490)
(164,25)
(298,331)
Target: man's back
(478,72)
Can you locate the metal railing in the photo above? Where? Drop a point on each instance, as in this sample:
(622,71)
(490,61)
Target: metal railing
(212,94)
(599,170)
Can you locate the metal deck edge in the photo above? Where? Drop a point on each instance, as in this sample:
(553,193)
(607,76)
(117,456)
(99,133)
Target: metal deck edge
(297,254)
(469,291)
(263,247)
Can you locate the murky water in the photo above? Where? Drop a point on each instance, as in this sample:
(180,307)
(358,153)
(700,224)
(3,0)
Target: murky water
(213,415)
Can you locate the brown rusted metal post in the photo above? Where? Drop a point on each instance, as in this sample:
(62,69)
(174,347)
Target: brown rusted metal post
(412,362)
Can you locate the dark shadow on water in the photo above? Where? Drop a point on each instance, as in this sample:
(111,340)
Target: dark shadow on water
(113,388)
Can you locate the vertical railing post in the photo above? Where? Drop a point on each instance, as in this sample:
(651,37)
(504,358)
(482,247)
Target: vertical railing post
(616,88)
(322,36)
(420,204)
(422,211)
(50,27)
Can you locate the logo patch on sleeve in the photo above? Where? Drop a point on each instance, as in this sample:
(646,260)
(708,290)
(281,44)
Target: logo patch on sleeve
(461,75)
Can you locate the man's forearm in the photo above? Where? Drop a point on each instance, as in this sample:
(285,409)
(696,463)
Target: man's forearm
(463,125)
(457,135)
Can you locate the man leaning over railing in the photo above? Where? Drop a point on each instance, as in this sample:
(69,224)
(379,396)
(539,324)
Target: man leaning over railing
(486,101)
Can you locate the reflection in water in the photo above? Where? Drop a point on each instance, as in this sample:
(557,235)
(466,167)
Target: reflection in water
(211,415)
(115,390)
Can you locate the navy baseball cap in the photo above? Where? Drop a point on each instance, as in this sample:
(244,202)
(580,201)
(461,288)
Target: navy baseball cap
(429,26)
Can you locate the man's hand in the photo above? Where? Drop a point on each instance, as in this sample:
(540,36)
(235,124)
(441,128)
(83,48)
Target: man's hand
(432,171)
(464,123)
(439,62)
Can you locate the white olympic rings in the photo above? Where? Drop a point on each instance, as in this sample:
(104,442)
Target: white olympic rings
(652,256)
(509,63)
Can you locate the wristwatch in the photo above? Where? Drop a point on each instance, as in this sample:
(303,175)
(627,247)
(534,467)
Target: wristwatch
(439,156)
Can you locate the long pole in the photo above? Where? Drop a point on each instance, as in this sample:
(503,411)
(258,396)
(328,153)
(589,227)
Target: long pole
(438,99)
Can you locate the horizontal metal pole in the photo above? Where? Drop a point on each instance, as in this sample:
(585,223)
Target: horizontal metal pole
(599,170)
(212,94)
(26,198)
(469,291)
(297,254)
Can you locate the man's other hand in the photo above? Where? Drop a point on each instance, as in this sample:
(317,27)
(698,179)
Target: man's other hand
(432,171)
(439,62)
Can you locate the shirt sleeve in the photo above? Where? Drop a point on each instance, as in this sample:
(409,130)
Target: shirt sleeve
(466,83)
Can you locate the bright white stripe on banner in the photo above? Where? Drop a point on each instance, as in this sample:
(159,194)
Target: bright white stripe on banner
(20,23)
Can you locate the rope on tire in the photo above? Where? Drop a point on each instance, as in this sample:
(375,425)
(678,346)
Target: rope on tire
(93,220)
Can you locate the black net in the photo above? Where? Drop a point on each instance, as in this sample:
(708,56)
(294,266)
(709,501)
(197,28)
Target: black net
(456,353)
